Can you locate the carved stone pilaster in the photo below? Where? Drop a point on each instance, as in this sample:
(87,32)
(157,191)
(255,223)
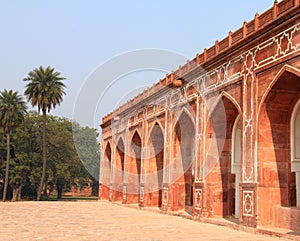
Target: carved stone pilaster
(142,195)
(249,205)
(165,197)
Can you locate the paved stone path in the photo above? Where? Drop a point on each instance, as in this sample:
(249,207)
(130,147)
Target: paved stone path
(104,221)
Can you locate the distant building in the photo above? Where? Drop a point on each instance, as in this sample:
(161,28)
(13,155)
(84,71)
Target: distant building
(220,136)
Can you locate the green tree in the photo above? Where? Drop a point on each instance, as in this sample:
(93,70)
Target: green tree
(64,167)
(88,149)
(69,165)
(12,112)
(62,153)
(27,149)
(44,90)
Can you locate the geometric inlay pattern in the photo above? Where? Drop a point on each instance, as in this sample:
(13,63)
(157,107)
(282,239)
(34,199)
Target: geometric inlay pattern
(198,199)
(165,196)
(248,201)
(142,194)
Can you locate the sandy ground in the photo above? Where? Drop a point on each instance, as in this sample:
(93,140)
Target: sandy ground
(104,221)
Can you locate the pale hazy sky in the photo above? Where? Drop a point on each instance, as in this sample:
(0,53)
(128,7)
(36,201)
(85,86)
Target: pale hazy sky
(77,36)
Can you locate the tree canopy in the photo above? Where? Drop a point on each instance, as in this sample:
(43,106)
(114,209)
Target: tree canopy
(12,111)
(65,166)
(45,90)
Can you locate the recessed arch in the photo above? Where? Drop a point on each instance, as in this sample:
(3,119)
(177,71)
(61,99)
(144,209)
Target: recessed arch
(183,149)
(233,101)
(154,172)
(157,129)
(121,139)
(107,145)
(118,170)
(283,70)
(274,130)
(108,154)
(219,98)
(222,120)
(134,167)
(295,148)
(157,122)
(236,143)
(236,160)
(184,111)
(106,166)
(136,131)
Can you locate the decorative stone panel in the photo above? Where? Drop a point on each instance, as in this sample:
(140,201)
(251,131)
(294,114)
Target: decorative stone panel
(248,203)
(198,199)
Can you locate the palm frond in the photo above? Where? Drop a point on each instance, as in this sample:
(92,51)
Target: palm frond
(45,88)
(12,109)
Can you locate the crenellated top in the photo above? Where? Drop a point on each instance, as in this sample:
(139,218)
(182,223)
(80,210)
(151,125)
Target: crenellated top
(233,38)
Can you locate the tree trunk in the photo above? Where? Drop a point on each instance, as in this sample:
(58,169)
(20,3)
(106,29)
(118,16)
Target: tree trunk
(19,197)
(16,193)
(7,166)
(95,188)
(59,192)
(44,158)
(59,186)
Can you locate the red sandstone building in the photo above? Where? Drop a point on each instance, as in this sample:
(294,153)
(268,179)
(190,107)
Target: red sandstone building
(220,136)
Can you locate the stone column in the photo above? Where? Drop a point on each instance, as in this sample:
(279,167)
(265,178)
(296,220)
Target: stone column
(126,158)
(100,169)
(167,156)
(144,156)
(112,165)
(203,211)
(198,183)
(249,129)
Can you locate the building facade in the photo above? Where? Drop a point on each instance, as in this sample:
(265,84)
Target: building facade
(220,136)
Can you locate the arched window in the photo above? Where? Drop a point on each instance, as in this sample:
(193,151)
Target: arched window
(295,148)
(236,161)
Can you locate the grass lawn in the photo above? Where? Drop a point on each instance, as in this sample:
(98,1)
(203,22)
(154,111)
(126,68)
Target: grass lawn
(70,198)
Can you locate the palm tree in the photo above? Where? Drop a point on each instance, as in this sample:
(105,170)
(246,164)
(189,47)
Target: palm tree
(44,90)
(12,112)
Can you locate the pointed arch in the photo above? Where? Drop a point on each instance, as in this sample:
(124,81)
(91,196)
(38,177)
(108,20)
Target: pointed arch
(107,145)
(233,101)
(183,147)
(118,170)
(226,95)
(154,170)
(106,171)
(236,140)
(120,151)
(134,167)
(108,151)
(236,161)
(157,122)
(136,139)
(222,119)
(120,138)
(281,72)
(275,115)
(136,132)
(184,111)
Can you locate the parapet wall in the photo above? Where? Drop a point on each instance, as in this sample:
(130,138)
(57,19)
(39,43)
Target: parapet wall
(247,30)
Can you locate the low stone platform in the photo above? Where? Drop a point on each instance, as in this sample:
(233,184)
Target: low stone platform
(105,221)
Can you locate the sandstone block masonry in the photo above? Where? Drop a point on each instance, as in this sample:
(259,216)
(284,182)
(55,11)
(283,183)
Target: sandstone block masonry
(220,136)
